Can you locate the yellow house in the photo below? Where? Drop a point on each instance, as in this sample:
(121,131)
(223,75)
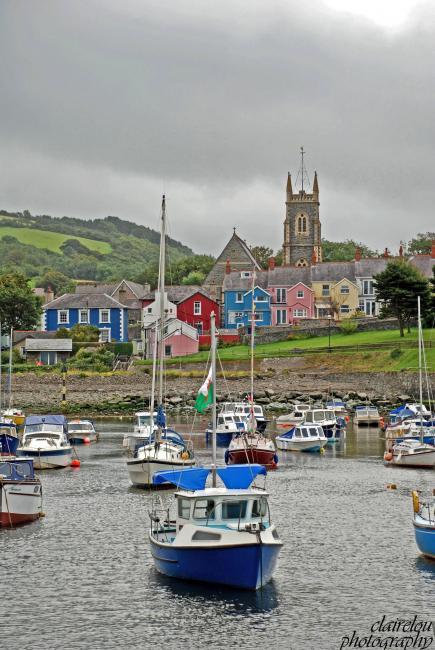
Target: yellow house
(344,299)
(335,289)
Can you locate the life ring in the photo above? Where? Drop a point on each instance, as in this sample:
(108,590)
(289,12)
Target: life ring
(415,501)
(388,456)
(185,455)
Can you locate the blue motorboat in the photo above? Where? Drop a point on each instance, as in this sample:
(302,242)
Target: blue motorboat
(424,524)
(9,440)
(220,535)
(228,425)
(333,427)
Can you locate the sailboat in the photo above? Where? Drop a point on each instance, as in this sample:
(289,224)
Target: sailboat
(9,440)
(166,449)
(252,445)
(10,413)
(410,452)
(219,535)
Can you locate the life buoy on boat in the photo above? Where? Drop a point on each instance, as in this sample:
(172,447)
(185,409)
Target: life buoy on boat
(415,501)
(388,456)
(185,455)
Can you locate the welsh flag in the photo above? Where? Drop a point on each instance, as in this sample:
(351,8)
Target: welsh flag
(205,394)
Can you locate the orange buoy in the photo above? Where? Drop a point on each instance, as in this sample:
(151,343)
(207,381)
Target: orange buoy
(75,463)
(388,456)
(86,441)
(347,418)
(391,486)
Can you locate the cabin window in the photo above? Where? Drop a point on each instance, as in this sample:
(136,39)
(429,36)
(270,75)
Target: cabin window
(184,508)
(318,417)
(197,308)
(23,469)
(313,431)
(298,434)
(305,433)
(5,469)
(233,509)
(258,410)
(259,508)
(204,509)
(309,417)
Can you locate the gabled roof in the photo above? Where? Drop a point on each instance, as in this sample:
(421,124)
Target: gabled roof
(135,287)
(48,345)
(238,253)
(21,335)
(332,271)
(424,263)
(84,301)
(234,282)
(95,288)
(179,293)
(288,276)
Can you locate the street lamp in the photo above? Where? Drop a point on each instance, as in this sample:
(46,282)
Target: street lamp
(329,332)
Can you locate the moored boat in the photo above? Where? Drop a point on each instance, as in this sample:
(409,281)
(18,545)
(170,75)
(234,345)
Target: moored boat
(302,438)
(366,415)
(81,432)
(333,427)
(410,453)
(45,441)
(15,415)
(424,524)
(294,418)
(143,431)
(20,492)
(252,447)
(228,425)
(9,440)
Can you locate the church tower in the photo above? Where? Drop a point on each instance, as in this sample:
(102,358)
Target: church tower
(302,231)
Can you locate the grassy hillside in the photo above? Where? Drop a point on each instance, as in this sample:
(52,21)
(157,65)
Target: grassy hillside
(52,241)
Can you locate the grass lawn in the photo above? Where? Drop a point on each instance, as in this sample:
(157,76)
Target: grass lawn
(51,240)
(407,359)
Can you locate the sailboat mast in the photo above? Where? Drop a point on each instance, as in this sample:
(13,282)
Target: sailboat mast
(213,379)
(252,348)
(162,297)
(420,369)
(10,368)
(0,367)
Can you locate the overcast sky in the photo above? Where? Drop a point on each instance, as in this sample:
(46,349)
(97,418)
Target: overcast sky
(105,104)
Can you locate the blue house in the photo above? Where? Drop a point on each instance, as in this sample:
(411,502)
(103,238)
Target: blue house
(238,302)
(98,309)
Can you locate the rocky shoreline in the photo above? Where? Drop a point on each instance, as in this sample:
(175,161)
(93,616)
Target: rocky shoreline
(276,389)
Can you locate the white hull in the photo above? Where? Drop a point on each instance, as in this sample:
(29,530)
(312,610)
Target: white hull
(141,472)
(46,460)
(285,444)
(422,459)
(90,435)
(20,502)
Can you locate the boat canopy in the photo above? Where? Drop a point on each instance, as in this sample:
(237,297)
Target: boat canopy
(403,412)
(46,419)
(194,478)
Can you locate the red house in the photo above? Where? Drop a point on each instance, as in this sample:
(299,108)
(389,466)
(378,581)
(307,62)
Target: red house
(194,305)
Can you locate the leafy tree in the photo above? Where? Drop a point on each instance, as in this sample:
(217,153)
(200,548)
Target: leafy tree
(180,271)
(398,287)
(59,282)
(79,333)
(262,255)
(194,277)
(19,307)
(335,251)
(422,243)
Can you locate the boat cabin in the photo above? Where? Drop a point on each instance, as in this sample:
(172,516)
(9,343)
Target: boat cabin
(245,409)
(143,418)
(319,415)
(230,421)
(81,426)
(16,469)
(305,432)
(50,424)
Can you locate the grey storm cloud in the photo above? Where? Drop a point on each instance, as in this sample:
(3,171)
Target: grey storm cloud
(106,104)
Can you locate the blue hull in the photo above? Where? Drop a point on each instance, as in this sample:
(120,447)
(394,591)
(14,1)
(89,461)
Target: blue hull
(425,539)
(312,450)
(241,567)
(222,439)
(8,444)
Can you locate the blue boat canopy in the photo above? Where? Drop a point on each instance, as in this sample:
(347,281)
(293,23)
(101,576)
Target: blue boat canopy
(194,478)
(47,419)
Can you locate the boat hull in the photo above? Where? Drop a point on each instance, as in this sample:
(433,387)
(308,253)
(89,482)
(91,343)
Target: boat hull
(425,538)
(19,504)
(48,459)
(141,472)
(239,566)
(308,446)
(253,455)
(422,460)
(82,438)
(8,444)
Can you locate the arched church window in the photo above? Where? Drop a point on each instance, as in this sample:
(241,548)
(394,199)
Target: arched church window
(302,224)
(302,262)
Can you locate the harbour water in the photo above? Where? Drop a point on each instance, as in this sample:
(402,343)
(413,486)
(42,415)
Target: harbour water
(83,577)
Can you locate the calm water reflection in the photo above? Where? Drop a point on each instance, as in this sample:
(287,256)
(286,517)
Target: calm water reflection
(83,577)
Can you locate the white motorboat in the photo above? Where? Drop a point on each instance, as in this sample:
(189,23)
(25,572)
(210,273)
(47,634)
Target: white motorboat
(20,492)
(294,418)
(81,432)
(333,427)
(244,409)
(302,438)
(143,430)
(367,415)
(45,441)
(411,453)
(152,458)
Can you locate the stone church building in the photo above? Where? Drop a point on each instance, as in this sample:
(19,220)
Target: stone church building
(302,231)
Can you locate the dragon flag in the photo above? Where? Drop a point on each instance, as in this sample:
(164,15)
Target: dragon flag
(205,394)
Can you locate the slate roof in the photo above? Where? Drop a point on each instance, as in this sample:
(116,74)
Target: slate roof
(47,345)
(233,281)
(135,287)
(367,268)
(179,293)
(21,335)
(84,301)
(333,271)
(289,276)
(424,263)
(95,288)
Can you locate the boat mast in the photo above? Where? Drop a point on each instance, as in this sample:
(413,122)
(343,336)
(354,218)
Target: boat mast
(420,370)
(252,350)
(10,369)
(213,383)
(161,304)
(0,367)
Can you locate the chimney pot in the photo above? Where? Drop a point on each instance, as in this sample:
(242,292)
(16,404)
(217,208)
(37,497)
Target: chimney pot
(272,263)
(432,254)
(228,267)
(357,254)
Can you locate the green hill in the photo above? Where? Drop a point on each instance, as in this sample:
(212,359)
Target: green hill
(83,249)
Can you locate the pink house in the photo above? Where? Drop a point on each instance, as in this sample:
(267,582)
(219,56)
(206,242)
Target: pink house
(291,297)
(179,339)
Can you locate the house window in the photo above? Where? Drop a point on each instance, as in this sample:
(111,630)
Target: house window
(104,315)
(344,309)
(325,289)
(83,316)
(168,350)
(370,308)
(302,224)
(239,296)
(199,328)
(245,274)
(260,299)
(281,296)
(258,316)
(368,287)
(48,358)
(300,293)
(361,305)
(197,308)
(63,316)
(281,316)
(150,310)
(344,288)
(234,316)
(105,335)
(300,313)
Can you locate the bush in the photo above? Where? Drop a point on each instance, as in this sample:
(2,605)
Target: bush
(125,349)
(396,353)
(16,357)
(348,327)
(92,359)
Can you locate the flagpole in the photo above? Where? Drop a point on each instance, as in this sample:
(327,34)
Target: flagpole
(213,379)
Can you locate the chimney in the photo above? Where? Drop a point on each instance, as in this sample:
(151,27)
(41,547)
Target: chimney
(48,295)
(228,267)
(357,254)
(313,257)
(400,250)
(432,253)
(271,263)
(386,253)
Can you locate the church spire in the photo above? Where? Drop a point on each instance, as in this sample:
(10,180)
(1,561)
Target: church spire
(315,184)
(289,185)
